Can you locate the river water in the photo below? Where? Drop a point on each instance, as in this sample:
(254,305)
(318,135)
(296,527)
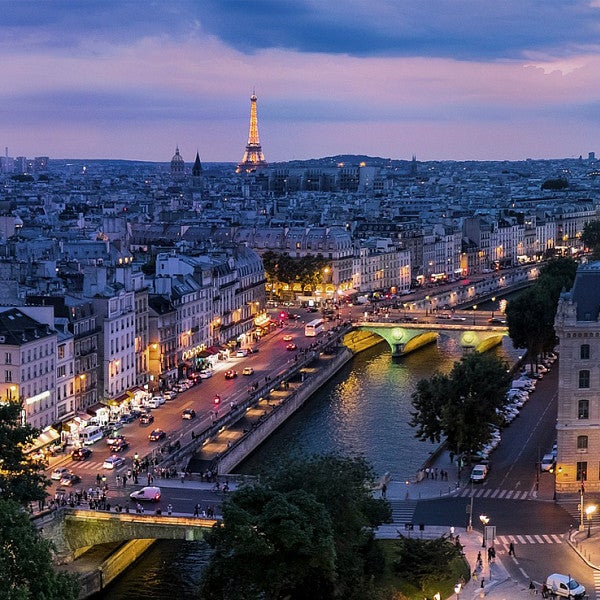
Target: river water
(364,409)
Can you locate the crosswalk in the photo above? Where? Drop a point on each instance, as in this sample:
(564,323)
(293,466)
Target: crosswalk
(403,511)
(545,538)
(493,493)
(597,583)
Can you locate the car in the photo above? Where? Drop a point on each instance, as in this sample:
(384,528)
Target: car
(547,463)
(146,419)
(70,479)
(564,585)
(291,347)
(170,395)
(497,321)
(113,462)
(230,374)
(253,349)
(248,371)
(114,437)
(127,418)
(119,445)
(241,353)
(479,473)
(206,374)
(149,493)
(81,453)
(288,337)
(59,472)
(136,413)
(156,434)
(458,319)
(188,413)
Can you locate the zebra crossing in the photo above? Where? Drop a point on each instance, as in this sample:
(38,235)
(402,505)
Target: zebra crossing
(403,511)
(544,538)
(597,583)
(493,493)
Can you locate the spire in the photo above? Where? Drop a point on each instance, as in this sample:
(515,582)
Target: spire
(197,168)
(253,156)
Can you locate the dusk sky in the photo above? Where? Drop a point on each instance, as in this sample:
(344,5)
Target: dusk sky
(440,79)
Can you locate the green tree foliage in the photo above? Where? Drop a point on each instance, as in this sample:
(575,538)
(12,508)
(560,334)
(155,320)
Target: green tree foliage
(558,183)
(304,532)
(461,407)
(306,270)
(21,479)
(26,569)
(530,316)
(591,238)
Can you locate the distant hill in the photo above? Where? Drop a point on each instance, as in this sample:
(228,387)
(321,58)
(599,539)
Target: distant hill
(347,159)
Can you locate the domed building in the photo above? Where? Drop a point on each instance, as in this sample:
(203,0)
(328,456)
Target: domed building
(177,166)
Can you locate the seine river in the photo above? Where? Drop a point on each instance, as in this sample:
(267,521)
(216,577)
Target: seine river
(364,409)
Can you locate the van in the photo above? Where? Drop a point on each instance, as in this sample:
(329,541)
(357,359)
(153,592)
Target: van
(91,434)
(149,493)
(564,585)
(479,473)
(547,463)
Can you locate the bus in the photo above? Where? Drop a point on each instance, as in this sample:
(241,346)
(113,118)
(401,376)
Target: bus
(314,328)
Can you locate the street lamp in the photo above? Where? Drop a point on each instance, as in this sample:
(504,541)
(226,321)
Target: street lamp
(493,304)
(474,309)
(589,511)
(484,521)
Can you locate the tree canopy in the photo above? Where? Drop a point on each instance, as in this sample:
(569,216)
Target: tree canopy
(306,270)
(591,238)
(26,569)
(21,479)
(303,532)
(530,316)
(461,407)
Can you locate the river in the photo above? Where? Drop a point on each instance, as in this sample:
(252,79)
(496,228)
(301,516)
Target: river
(364,409)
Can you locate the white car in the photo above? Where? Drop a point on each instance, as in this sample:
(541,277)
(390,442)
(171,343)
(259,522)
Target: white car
(113,462)
(59,473)
(206,374)
(547,463)
(564,585)
(479,473)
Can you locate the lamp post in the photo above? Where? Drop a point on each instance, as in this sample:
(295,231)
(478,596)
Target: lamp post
(589,511)
(474,309)
(484,521)
(493,303)
(581,493)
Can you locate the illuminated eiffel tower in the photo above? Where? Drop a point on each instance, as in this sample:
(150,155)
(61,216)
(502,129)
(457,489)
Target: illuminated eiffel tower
(253,158)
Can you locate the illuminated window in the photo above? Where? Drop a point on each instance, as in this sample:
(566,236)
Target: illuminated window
(582,471)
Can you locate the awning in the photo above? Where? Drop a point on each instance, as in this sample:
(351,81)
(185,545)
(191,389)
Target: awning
(212,350)
(122,398)
(44,439)
(203,354)
(348,292)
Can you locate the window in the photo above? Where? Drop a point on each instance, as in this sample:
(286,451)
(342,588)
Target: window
(584,351)
(581,471)
(584,378)
(583,409)
(582,442)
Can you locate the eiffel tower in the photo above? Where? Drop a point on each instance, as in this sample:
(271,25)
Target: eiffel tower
(253,158)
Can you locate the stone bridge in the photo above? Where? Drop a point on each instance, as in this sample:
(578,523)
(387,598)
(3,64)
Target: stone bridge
(75,530)
(406,337)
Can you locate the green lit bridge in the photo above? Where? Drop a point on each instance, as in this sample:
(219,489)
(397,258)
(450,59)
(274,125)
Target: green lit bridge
(405,337)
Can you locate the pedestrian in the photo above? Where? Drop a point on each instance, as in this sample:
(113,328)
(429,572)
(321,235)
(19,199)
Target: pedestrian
(169,509)
(482,582)
(511,549)
(474,575)
(384,491)
(197,510)
(544,590)
(531,587)
(479,557)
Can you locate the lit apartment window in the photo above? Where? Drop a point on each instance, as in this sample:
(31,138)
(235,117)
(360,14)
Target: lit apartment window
(583,409)
(584,351)
(582,442)
(581,471)
(584,378)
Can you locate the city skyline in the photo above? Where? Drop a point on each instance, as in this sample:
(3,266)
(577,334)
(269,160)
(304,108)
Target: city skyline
(448,79)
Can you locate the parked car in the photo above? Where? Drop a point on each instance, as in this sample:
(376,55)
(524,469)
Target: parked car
(81,453)
(206,374)
(241,353)
(70,479)
(248,371)
(127,418)
(547,463)
(188,413)
(170,395)
(113,462)
(564,585)
(149,493)
(59,472)
(156,434)
(230,374)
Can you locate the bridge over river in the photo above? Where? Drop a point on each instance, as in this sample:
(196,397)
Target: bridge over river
(405,337)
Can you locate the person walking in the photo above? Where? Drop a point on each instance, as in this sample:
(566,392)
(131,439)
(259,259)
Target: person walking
(511,549)
(545,592)
(169,509)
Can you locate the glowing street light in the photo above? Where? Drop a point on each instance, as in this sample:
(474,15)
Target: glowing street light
(589,511)
(484,521)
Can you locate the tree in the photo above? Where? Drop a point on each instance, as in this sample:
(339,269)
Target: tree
(558,183)
(304,532)
(26,569)
(462,407)
(591,237)
(21,479)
